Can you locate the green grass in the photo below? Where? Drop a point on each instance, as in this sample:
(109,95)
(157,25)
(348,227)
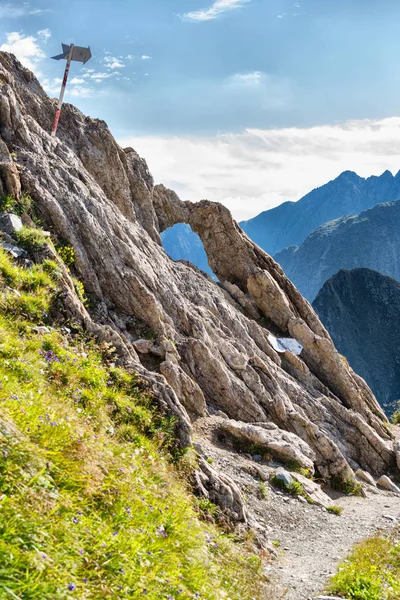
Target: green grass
(90,505)
(335,510)
(350,487)
(294,489)
(295,466)
(263,490)
(9,203)
(31,239)
(371,573)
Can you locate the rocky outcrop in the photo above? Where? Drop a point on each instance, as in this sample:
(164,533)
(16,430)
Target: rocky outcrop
(202,346)
(361,310)
(282,445)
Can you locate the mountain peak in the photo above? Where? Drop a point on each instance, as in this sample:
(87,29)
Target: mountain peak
(349,175)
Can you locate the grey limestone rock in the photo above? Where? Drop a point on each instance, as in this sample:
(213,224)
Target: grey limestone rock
(313,490)
(365,477)
(14,250)
(284,476)
(10,223)
(209,349)
(283,445)
(386,483)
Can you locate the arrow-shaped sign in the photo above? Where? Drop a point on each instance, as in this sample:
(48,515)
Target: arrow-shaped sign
(79,54)
(69,53)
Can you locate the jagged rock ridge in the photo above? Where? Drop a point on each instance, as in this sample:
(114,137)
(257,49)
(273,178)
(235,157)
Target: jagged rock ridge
(370,239)
(202,346)
(361,310)
(290,223)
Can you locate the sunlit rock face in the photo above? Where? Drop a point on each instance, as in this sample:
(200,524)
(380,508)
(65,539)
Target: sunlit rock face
(202,346)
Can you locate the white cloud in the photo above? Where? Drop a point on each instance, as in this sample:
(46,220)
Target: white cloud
(44,34)
(80,92)
(112,62)
(255,77)
(255,170)
(74,89)
(25,48)
(14,11)
(99,76)
(214,11)
(52,86)
(145,57)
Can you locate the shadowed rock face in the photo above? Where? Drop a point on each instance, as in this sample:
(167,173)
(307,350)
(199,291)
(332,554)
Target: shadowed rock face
(209,347)
(368,240)
(290,223)
(361,309)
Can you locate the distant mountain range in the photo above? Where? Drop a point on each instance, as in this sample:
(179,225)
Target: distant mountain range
(361,310)
(370,239)
(290,223)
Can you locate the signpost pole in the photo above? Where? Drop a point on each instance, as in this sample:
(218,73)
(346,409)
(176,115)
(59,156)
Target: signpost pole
(64,83)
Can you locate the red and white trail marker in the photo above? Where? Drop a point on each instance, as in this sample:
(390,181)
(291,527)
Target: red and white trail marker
(69,53)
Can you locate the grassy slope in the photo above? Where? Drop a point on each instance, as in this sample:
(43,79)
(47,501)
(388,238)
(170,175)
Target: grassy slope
(372,572)
(90,506)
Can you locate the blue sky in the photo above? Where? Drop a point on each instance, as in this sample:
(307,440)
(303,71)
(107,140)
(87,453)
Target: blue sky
(186,74)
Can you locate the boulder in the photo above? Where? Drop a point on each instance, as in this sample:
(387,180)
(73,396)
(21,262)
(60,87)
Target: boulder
(284,476)
(330,598)
(14,250)
(365,477)
(313,490)
(386,483)
(10,223)
(283,445)
(221,490)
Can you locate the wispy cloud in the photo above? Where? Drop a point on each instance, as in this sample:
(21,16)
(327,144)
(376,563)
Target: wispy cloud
(44,34)
(14,10)
(253,78)
(214,11)
(101,75)
(145,57)
(255,170)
